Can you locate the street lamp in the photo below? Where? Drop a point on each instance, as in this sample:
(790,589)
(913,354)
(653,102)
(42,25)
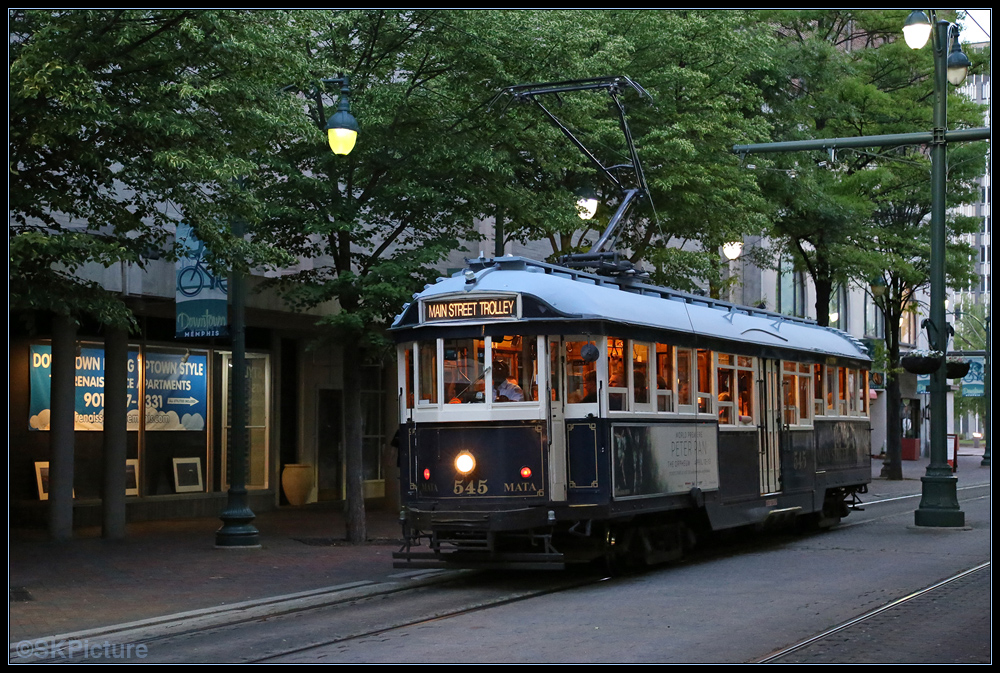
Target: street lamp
(732,250)
(238,531)
(939,498)
(342,127)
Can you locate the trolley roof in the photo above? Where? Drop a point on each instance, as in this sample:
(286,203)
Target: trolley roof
(547,293)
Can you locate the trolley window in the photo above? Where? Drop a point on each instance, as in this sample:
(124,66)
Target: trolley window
(581,376)
(464,371)
(745,379)
(797,384)
(427,372)
(617,375)
(704,381)
(685,375)
(408,375)
(665,379)
(515,369)
(640,376)
(725,374)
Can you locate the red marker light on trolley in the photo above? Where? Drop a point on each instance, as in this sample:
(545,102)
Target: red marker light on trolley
(427,474)
(525,472)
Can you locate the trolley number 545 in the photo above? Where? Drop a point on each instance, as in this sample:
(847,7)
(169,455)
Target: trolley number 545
(472,487)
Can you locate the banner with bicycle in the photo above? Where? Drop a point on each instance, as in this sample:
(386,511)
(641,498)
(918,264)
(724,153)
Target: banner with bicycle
(202,297)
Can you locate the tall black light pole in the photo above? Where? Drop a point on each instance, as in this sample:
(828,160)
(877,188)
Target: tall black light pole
(939,500)
(238,531)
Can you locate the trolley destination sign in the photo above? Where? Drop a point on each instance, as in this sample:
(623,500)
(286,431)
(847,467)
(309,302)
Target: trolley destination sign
(464,308)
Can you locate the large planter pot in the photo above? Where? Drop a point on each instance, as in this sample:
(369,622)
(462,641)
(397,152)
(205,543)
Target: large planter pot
(297,482)
(922,364)
(957,369)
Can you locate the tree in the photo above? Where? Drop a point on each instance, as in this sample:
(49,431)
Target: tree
(704,99)
(896,251)
(847,73)
(374,224)
(123,122)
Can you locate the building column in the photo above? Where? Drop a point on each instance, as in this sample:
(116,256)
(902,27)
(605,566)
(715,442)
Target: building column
(62,423)
(115,433)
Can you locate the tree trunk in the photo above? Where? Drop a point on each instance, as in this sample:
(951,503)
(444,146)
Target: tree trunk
(356,526)
(892,466)
(824,288)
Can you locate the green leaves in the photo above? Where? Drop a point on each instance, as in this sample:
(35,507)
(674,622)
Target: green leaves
(123,122)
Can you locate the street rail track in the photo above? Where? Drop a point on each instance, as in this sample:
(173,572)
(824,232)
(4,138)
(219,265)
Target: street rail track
(827,647)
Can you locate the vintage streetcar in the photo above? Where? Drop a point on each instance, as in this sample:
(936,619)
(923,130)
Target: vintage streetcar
(551,415)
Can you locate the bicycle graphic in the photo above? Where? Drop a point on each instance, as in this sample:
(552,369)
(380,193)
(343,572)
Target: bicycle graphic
(193,279)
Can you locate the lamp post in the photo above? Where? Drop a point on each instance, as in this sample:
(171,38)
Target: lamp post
(939,498)
(238,531)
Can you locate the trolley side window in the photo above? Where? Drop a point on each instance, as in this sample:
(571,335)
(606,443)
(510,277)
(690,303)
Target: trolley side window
(408,374)
(665,379)
(745,380)
(819,386)
(581,376)
(617,375)
(704,381)
(864,392)
(842,386)
(685,374)
(640,376)
(427,372)
(798,387)
(831,391)
(725,374)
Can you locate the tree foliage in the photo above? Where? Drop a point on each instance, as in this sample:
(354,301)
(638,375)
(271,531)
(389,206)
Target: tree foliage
(701,70)
(847,73)
(123,122)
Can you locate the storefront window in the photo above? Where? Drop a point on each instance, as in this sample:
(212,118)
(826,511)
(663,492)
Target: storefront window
(257,426)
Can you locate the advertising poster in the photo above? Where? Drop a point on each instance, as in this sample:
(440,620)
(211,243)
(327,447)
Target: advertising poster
(661,459)
(973,384)
(89,407)
(176,391)
(202,297)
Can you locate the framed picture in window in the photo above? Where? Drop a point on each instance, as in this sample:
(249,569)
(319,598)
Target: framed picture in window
(187,475)
(42,479)
(132,476)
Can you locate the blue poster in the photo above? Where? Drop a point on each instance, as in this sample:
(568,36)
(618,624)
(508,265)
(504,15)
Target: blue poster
(176,391)
(201,296)
(89,407)
(973,382)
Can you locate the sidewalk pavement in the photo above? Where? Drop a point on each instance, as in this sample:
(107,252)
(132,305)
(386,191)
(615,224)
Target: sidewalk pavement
(169,567)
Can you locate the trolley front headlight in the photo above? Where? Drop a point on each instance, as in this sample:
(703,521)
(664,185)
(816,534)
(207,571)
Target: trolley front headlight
(465,463)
